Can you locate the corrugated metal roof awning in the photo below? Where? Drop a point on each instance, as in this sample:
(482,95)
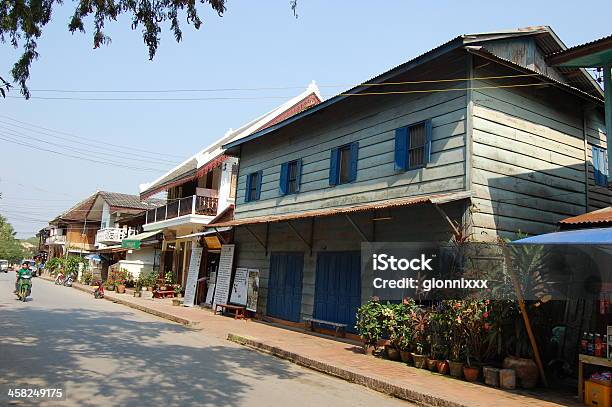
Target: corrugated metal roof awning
(600,216)
(391,203)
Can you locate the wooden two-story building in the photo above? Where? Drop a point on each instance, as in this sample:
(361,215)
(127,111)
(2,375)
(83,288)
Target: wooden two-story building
(478,136)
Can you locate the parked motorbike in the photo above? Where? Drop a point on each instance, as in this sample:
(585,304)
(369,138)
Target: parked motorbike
(24,287)
(60,278)
(68,280)
(99,291)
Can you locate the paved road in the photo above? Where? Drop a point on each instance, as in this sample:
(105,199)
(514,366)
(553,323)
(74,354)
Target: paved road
(105,354)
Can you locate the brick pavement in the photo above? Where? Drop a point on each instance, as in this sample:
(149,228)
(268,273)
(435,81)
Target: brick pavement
(343,359)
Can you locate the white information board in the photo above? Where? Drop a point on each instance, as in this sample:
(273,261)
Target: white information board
(252,289)
(192,276)
(239,287)
(224,274)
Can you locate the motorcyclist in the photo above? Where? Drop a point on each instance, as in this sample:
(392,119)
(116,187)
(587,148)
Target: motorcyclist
(24,270)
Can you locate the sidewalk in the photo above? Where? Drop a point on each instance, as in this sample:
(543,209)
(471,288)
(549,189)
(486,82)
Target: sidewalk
(342,359)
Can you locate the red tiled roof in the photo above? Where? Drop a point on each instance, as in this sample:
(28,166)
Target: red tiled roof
(599,217)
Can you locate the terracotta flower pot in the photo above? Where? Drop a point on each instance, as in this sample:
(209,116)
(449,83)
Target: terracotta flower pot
(442,367)
(526,370)
(149,288)
(406,356)
(470,373)
(392,352)
(120,288)
(455,369)
(432,365)
(420,361)
(368,349)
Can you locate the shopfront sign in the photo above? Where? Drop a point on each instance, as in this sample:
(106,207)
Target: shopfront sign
(239,287)
(192,276)
(252,290)
(224,274)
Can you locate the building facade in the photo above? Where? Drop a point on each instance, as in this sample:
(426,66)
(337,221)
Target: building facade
(479,137)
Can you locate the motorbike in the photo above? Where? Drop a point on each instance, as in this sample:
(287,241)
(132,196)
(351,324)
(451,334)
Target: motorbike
(60,278)
(24,287)
(68,280)
(99,291)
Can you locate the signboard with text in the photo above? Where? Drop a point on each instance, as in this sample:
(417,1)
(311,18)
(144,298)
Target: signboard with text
(224,274)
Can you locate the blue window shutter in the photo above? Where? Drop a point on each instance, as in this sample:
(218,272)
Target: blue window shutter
(407,147)
(258,190)
(248,188)
(284,178)
(428,131)
(401,148)
(596,165)
(604,160)
(354,159)
(298,179)
(333,167)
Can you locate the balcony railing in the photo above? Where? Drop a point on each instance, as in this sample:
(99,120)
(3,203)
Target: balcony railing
(56,239)
(190,205)
(113,235)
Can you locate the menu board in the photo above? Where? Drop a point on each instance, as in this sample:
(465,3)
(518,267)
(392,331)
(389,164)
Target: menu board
(224,274)
(252,289)
(239,288)
(192,276)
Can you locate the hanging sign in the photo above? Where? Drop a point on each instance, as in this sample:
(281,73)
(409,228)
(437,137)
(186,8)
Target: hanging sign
(192,276)
(224,274)
(239,288)
(252,289)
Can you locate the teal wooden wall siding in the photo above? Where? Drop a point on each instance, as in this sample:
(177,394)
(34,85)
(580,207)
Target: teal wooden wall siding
(529,158)
(373,125)
(415,223)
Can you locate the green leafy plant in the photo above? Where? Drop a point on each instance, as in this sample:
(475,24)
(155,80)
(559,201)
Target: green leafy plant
(369,322)
(54,265)
(420,325)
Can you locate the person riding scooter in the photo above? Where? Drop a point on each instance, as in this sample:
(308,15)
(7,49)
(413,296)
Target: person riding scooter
(24,270)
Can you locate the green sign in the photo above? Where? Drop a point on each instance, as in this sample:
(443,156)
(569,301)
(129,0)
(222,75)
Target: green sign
(130,244)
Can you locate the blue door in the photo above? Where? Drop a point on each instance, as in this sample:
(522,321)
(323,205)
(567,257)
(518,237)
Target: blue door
(285,286)
(338,287)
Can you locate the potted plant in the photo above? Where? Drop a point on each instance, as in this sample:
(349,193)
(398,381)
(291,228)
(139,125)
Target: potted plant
(420,321)
(178,291)
(451,312)
(474,314)
(369,324)
(390,322)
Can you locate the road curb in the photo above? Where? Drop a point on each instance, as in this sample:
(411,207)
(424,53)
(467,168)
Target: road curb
(390,389)
(161,314)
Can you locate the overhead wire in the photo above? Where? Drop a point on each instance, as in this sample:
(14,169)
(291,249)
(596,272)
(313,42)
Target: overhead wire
(104,143)
(13,133)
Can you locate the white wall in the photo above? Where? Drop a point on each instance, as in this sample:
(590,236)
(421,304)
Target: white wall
(226,184)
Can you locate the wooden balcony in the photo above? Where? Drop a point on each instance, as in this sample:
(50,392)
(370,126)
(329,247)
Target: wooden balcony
(191,205)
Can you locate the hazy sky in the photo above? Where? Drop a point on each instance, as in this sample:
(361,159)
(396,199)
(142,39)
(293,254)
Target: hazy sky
(254,45)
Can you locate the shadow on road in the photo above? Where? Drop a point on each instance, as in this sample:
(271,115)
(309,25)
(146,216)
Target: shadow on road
(114,357)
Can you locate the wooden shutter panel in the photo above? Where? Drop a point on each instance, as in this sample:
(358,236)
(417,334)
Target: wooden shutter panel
(596,168)
(333,167)
(248,188)
(298,176)
(258,190)
(603,160)
(407,147)
(428,131)
(354,159)
(401,148)
(284,178)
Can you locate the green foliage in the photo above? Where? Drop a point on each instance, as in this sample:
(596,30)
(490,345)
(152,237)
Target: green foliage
(54,265)
(370,322)
(22,23)
(10,247)
(87,277)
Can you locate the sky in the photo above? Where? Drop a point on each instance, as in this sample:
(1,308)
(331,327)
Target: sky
(253,45)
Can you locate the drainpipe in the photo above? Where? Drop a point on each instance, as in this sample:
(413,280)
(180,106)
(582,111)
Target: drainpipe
(608,101)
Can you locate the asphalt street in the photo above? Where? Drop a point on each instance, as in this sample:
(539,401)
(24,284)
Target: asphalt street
(104,354)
